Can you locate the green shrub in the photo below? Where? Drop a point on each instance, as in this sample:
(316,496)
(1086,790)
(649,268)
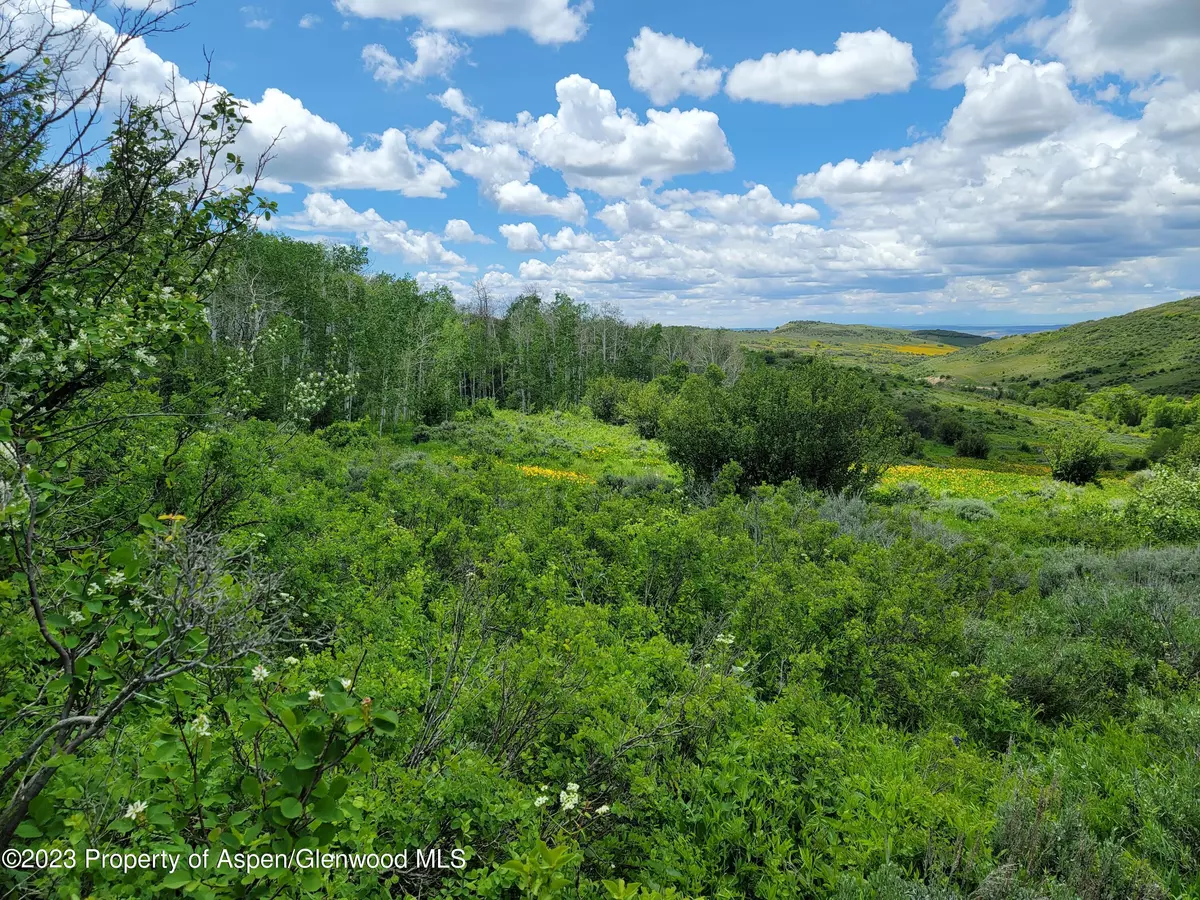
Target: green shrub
(1076,458)
(483,408)
(1168,412)
(1187,454)
(345,434)
(604,396)
(637,485)
(1165,444)
(827,426)
(643,407)
(911,445)
(913,492)
(974,445)
(1121,404)
(950,429)
(920,418)
(1168,505)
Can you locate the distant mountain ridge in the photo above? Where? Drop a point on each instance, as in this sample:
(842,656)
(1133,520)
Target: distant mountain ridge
(1156,349)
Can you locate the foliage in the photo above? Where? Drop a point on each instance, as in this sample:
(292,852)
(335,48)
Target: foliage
(605,396)
(973,444)
(1121,404)
(1075,458)
(828,427)
(1167,412)
(1061,394)
(1168,504)
(950,429)
(644,406)
(1166,443)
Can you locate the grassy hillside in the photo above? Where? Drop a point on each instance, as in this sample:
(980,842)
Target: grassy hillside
(1156,350)
(953,338)
(888,349)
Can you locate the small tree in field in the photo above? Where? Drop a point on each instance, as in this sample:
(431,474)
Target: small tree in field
(1076,458)
(973,445)
(827,426)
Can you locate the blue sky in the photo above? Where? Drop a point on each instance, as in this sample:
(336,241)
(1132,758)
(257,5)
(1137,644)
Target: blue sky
(981,161)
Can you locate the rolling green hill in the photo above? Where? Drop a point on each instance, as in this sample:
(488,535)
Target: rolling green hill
(1156,350)
(953,338)
(889,349)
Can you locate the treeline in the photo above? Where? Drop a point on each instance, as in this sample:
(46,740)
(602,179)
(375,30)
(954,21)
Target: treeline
(1120,404)
(314,338)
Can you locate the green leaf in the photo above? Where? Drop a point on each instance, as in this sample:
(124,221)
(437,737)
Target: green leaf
(304,762)
(312,742)
(291,808)
(28,830)
(292,781)
(326,809)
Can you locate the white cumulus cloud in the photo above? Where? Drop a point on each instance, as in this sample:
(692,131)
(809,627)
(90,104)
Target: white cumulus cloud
(325,213)
(460,231)
(528,199)
(596,146)
(456,101)
(546,21)
(306,148)
(1014,102)
(434,54)
(1139,39)
(522,238)
(315,152)
(864,64)
(964,17)
(664,67)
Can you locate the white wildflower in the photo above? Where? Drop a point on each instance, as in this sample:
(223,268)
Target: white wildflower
(602,810)
(259,672)
(202,726)
(569,798)
(93,589)
(725,639)
(115,579)
(291,661)
(136,809)
(314,695)
(75,616)
(541,800)
(346,683)
(954,674)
